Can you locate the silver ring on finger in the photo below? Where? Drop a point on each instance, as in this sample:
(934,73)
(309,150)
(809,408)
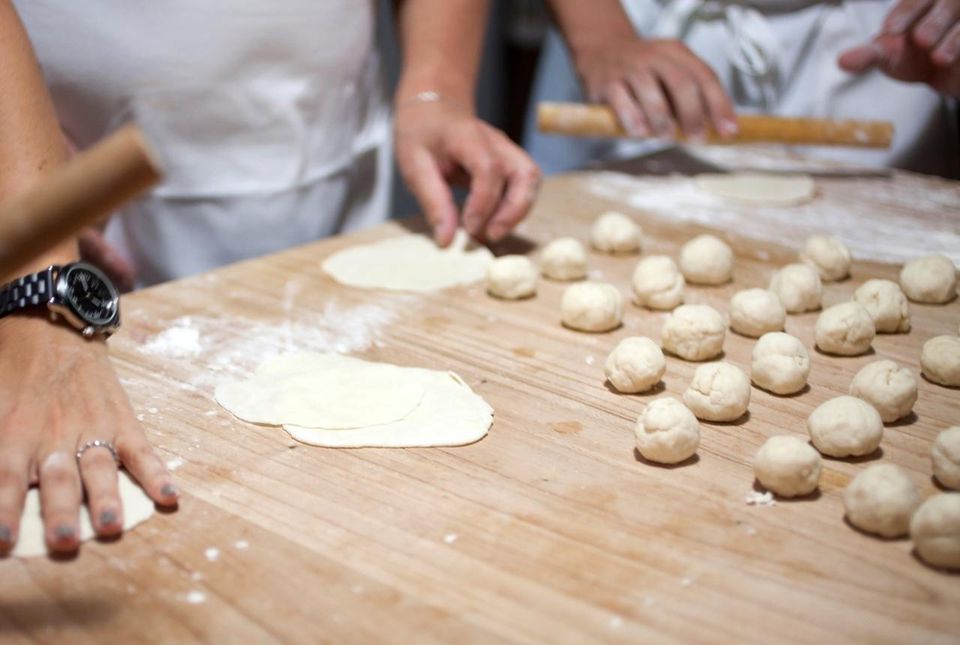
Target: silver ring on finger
(98,443)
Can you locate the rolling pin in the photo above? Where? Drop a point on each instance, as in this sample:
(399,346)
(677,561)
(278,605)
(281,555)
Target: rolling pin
(87,188)
(579,120)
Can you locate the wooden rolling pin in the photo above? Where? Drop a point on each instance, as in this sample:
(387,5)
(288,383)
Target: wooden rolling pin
(579,120)
(89,187)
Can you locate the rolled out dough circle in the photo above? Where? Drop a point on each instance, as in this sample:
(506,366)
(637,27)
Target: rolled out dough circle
(759,189)
(410,263)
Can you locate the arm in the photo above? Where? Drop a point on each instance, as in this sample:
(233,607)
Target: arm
(57,389)
(652,85)
(439,139)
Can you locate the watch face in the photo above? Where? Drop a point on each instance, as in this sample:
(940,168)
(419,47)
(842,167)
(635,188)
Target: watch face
(90,294)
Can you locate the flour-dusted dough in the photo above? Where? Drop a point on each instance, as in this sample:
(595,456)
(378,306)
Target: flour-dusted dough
(759,189)
(614,232)
(889,388)
(322,391)
(635,365)
(799,288)
(718,392)
(564,259)
(828,255)
(706,259)
(845,330)
(945,457)
(137,508)
(754,312)
(694,332)
(512,277)
(450,414)
(410,263)
(657,283)
(845,426)
(940,360)
(887,305)
(935,530)
(780,363)
(881,500)
(667,432)
(931,279)
(787,466)
(591,306)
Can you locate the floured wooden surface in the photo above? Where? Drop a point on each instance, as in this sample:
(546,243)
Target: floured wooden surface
(548,530)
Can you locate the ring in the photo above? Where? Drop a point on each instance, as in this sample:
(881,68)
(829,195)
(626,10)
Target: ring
(98,443)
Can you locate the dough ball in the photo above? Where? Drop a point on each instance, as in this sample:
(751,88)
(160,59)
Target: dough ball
(754,312)
(657,283)
(845,427)
(616,233)
(667,432)
(886,304)
(718,392)
(931,279)
(940,360)
(564,259)
(635,365)
(591,306)
(787,466)
(828,255)
(845,329)
(945,456)
(694,332)
(889,388)
(798,287)
(706,259)
(780,363)
(512,277)
(935,529)
(881,500)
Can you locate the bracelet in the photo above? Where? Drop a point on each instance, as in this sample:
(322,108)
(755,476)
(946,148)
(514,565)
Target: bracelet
(428,96)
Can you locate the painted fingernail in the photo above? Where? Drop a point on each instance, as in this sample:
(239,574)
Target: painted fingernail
(168,490)
(108,517)
(5,534)
(64,532)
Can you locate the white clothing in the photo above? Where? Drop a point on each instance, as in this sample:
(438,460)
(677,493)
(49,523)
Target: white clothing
(269,116)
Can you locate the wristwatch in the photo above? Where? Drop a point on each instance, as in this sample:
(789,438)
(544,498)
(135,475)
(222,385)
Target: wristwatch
(78,292)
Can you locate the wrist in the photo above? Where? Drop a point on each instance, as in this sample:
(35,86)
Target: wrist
(426,88)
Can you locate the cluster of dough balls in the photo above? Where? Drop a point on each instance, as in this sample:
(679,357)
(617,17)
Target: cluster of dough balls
(889,388)
(845,329)
(799,288)
(881,500)
(931,279)
(616,233)
(828,256)
(657,283)
(945,457)
(886,304)
(667,432)
(512,277)
(940,360)
(591,306)
(706,259)
(787,466)
(718,392)
(845,426)
(754,312)
(564,259)
(780,363)
(694,332)
(935,530)
(635,365)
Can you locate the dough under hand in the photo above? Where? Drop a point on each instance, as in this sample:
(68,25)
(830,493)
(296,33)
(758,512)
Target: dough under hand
(667,432)
(635,365)
(886,304)
(512,277)
(828,255)
(881,500)
(591,306)
(718,392)
(657,283)
(759,189)
(787,466)
(798,287)
(616,233)
(845,330)
(754,312)
(945,457)
(889,388)
(940,360)
(694,332)
(931,279)
(935,529)
(845,426)
(706,259)
(564,259)
(780,363)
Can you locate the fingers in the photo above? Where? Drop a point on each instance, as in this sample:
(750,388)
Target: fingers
(98,471)
(649,93)
(60,497)
(487,179)
(13,490)
(523,182)
(719,106)
(138,457)
(631,115)
(935,24)
(948,51)
(426,182)
(903,15)
(684,95)
(95,249)
(861,58)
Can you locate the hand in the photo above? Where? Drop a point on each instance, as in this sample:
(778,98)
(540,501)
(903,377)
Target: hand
(919,43)
(57,392)
(440,143)
(95,249)
(654,85)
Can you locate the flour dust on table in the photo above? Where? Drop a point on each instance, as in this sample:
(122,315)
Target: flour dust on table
(758,188)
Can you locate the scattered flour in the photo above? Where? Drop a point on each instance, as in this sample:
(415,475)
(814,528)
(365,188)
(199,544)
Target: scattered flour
(174,464)
(212,553)
(450,538)
(241,545)
(178,341)
(196,597)
(755,498)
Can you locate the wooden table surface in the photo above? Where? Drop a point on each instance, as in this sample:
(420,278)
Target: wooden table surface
(549,530)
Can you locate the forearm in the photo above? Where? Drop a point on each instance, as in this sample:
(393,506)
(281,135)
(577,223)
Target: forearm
(586,25)
(441,42)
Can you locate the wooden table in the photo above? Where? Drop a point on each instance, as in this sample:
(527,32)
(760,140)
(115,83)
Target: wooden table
(549,530)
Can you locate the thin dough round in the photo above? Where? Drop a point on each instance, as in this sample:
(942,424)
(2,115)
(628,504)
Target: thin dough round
(759,189)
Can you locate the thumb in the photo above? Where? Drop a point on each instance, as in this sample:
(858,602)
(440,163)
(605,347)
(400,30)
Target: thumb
(426,182)
(95,249)
(861,58)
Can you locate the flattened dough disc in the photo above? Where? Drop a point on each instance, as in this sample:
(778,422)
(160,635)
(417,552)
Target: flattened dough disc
(759,189)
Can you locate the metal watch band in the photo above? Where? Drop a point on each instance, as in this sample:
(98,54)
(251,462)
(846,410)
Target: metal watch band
(29,291)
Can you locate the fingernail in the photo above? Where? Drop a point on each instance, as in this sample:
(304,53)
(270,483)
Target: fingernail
(5,534)
(897,25)
(728,127)
(108,517)
(496,233)
(168,490)
(64,532)
(696,136)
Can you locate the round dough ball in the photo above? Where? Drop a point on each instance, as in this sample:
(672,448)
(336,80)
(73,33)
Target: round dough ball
(512,277)
(591,306)
(931,279)
(787,466)
(940,360)
(780,363)
(935,529)
(889,388)
(564,259)
(657,283)
(706,259)
(945,456)
(667,432)
(828,255)
(635,365)
(798,287)
(881,500)
(845,427)
(845,329)
(694,332)
(754,312)
(886,304)
(616,233)
(718,392)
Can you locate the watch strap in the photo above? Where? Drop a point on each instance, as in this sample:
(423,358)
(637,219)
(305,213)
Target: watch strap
(26,292)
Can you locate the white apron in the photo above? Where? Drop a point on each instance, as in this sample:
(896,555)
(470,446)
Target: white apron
(269,116)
